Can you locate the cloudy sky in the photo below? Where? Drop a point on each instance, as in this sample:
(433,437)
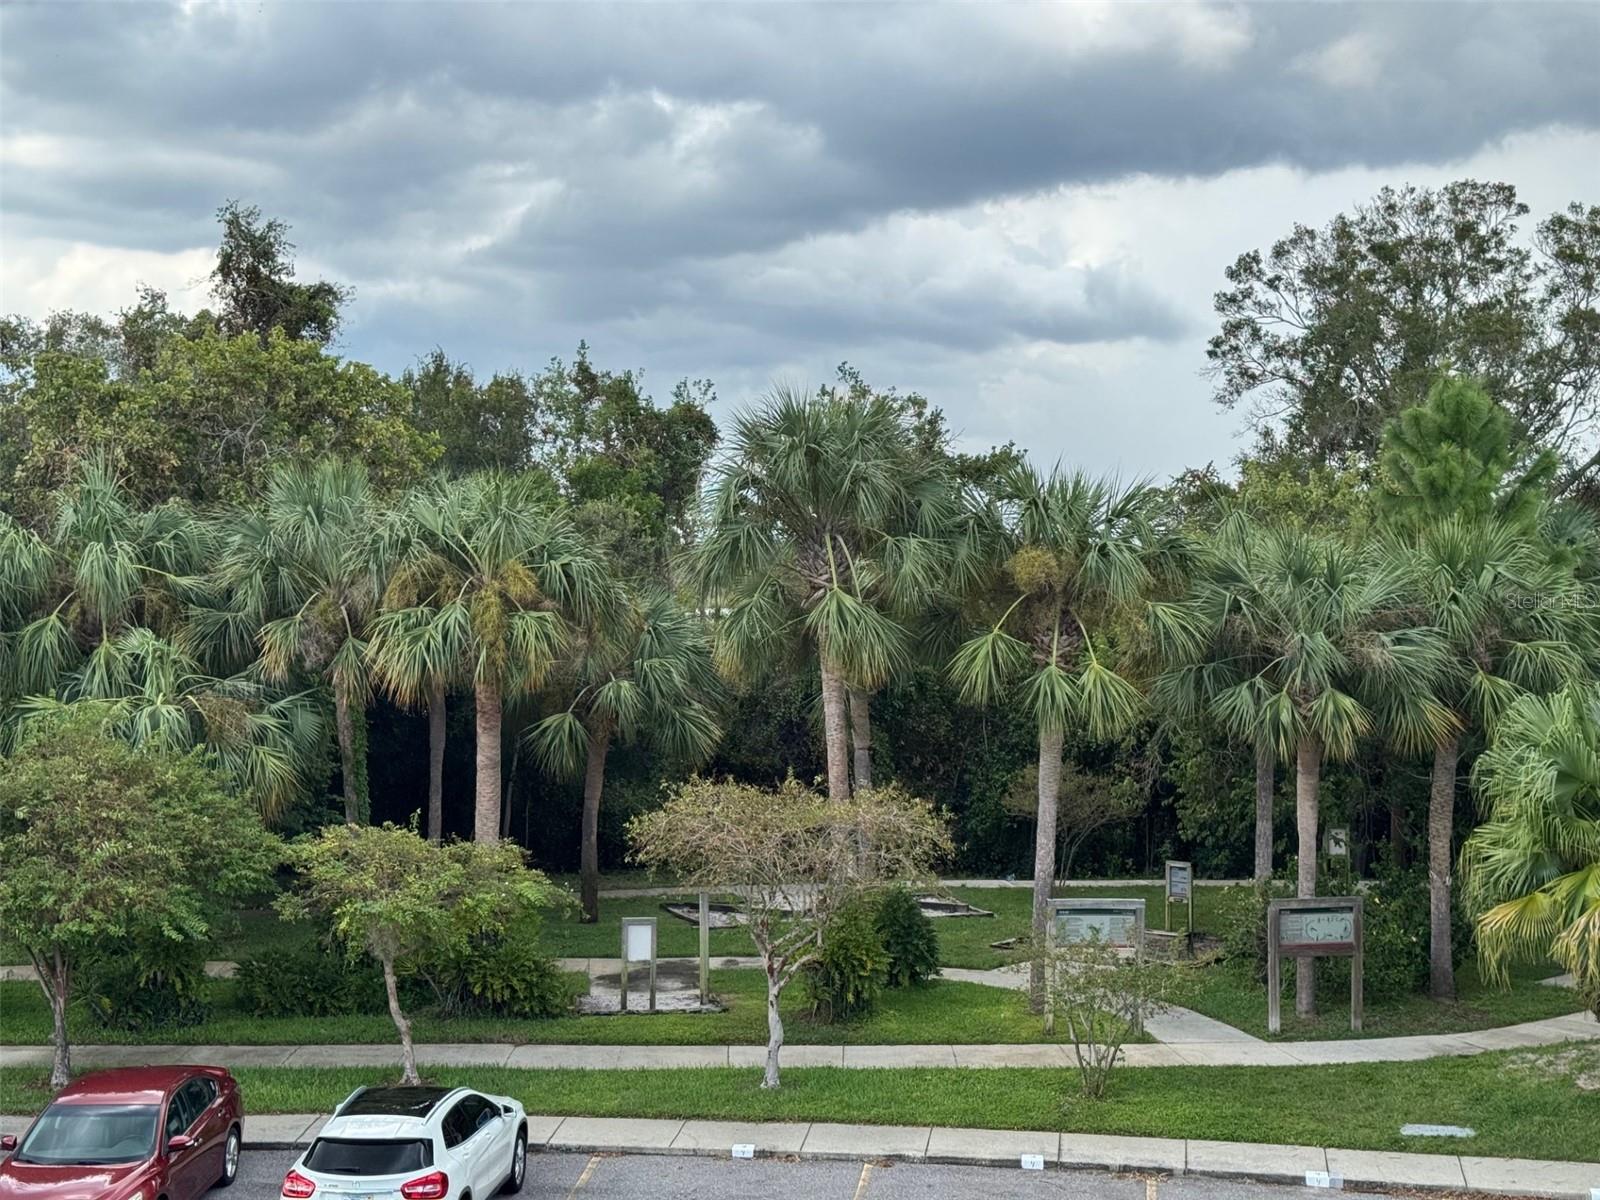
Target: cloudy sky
(1020,210)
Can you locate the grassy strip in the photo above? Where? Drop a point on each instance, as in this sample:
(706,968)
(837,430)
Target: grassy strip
(1526,1103)
(939,1012)
(1228,992)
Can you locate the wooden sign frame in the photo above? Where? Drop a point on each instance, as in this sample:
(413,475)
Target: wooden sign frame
(1169,896)
(1059,905)
(1277,951)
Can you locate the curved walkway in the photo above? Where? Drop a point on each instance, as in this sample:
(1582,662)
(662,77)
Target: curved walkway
(1185,1054)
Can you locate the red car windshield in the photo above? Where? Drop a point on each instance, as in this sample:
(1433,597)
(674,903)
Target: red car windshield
(91,1135)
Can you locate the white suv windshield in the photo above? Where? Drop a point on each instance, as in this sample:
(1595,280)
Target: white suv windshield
(352,1156)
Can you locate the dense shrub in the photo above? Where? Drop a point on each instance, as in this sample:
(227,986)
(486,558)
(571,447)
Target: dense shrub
(1395,921)
(1242,913)
(908,937)
(848,977)
(308,980)
(502,974)
(159,984)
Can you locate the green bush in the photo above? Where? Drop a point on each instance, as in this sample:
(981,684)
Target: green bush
(502,974)
(848,977)
(908,938)
(156,984)
(308,980)
(1242,915)
(1395,923)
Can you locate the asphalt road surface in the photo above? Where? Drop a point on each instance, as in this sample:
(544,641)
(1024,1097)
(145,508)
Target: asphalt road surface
(678,1177)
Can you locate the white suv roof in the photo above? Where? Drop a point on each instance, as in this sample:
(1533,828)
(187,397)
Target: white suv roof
(390,1112)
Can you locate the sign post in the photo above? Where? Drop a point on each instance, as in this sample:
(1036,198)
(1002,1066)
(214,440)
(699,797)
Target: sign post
(1180,886)
(1118,923)
(1316,927)
(638,945)
(705,949)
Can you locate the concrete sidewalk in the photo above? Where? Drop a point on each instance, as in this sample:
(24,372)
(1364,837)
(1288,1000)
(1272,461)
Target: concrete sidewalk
(1005,1148)
(1552,1031)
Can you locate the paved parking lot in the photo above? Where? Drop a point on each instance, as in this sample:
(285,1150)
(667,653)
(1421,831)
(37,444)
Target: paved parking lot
(681,1177)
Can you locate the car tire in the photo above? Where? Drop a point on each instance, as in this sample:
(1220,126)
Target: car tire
(230,1158)
(519,1165)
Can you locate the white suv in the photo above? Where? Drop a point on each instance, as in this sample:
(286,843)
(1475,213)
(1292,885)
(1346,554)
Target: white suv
(414,1143)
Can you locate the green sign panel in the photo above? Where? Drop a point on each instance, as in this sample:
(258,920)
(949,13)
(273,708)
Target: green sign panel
(1117,927)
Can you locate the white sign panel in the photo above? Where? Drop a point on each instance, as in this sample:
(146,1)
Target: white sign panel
(1108,925)
(744,1150)
(1338,843)
(1033,1162)
(639,943)
(1179,880)
(1316,927)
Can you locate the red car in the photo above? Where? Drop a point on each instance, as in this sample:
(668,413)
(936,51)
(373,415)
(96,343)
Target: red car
(139,1133)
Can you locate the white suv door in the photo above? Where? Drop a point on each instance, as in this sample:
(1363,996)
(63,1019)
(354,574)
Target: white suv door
(474,1134)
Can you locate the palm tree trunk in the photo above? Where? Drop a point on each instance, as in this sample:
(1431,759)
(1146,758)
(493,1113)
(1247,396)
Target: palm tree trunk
(344,722)
(861,737)
(1308,776)
(436,715)
(1044,857)
(833,731)
(486,808)
(1266,772)
(594,779)
(1441,814)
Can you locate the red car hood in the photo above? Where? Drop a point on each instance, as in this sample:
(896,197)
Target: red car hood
(39,1182)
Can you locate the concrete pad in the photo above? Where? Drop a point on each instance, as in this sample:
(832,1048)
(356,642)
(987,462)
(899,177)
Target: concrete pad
(1181,1025)
(265,1131)
(1370,1050)
(789,1056)
(768,1137)
(26,1056)
(998,1147)
(623,1058)
(1042,1055)
(1511,1037)
(1235,1054)
(15,1126)
(1389,1168)
(1115,1153)
(345,1056)
(1251,1160)
(1147,1055)
(866,1141)
(541,1129)
(487,1055)
(901,1056)
(614,1133)
(1530,1177)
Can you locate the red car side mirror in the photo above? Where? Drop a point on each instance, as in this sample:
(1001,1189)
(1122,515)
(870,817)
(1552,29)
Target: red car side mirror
(179,1141)
(8,1141)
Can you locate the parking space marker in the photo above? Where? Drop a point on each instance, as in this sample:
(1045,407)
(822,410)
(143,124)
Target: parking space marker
(861,1184)
(588,1170)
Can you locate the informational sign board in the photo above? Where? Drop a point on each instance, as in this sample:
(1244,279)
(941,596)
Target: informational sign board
(1314,927)
(1338,842)
(638,945)
(1179,890)
(1115,922)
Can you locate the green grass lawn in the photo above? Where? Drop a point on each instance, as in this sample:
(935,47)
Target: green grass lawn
(1526,1103)
(938,1012)
(1227,992)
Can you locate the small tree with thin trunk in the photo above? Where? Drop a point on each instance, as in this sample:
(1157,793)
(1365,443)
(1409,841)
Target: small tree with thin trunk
(795,859)
(390,893)
(102,841)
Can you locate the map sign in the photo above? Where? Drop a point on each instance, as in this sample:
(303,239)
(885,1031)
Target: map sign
(1116,927)
(1179,878)
(1316,927)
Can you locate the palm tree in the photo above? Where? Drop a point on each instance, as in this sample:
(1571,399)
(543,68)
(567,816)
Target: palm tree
(645,675)
(1082,554)
(1321,657)
(488,592)
(303,568)
(1532,870)
(825,526)
(1510,620)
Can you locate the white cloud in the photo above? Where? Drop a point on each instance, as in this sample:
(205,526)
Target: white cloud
(1350,62)
(40,277)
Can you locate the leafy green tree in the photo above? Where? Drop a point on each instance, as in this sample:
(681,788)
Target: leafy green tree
(824,533)
(1452,456)
(1081,553)
(1333,332)
(489,591)
(305,569)
(480,426)
(253,282)
(797,861)
(102,841)
(1532,870)
(387,892)
(1510,621)
(1299,642)
(645,674)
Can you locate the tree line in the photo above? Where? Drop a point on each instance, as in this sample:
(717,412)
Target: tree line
(240,541)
